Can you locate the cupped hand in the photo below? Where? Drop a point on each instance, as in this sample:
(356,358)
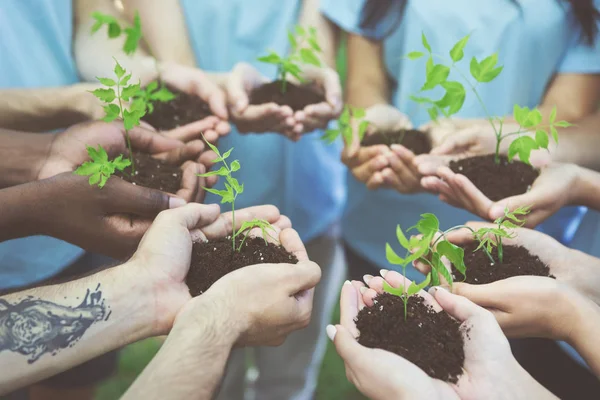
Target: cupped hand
(550,191)
(270,117)
(490,370)
(164,253)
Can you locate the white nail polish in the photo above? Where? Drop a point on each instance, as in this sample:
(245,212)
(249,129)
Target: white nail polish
(331,331)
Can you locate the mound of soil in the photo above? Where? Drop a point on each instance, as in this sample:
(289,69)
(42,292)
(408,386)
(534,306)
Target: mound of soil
(517,261)
(296,97)
(496,181)
(214,259)
(153,174)
(416,141)
(432,341)
(182,110)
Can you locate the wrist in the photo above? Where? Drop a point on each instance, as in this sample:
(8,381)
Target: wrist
(23,155)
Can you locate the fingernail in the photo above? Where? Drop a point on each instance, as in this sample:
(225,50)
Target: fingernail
(496,211)
(383,273)
(362,289)
(331,331)
(347,282)
(240,105)
(175,202)
(367,278)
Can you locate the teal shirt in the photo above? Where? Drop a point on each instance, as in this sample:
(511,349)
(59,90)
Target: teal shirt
(304,179)
(35,51)
(535,41)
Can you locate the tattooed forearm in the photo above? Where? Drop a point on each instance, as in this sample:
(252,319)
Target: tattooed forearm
(34,327)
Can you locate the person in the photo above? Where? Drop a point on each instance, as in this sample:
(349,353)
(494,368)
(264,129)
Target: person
(48,329)
(305,178)
(490,370)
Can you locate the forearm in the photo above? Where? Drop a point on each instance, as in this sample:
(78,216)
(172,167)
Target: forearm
(367,83)
(50,329)
(45,109)
(584,336)
(587,189)
(578,144)
(192,360)
(21,156)
(328,33)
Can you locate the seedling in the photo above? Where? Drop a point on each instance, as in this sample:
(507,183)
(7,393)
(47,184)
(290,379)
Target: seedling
(101,168)
(405,294)
(483,71)
(344,126)
(304,48)
(490,237)
(232,190)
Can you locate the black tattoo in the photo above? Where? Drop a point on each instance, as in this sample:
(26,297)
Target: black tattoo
(34,327)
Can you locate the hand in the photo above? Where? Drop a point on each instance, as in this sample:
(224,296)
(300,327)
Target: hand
(317,116)
(552,190)
(164,253)
(194,81)
(382,166)
(490,370)
(261,118)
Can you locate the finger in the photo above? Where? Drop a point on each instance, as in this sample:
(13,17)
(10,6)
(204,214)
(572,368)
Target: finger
(223,128)
(190,216)
(151,142)
(397,280)
(123,197)
(304,275)
(483,295)
(223,225)
(128,230)
(290,240)
(217,102)
(191,184)
(192,130)
(458,307)
(360,287)
(534,197)
(435,185)
(349,306)
(347,347)
(237,95)
(186,152)
(428,164)
(376,181)
(365,171)
(468,195)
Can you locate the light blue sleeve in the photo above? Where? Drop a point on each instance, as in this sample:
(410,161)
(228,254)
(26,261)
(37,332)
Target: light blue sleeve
(581,58)
(346,15)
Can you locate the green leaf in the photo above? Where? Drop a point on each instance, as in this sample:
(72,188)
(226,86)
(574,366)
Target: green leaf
(433,113)
(454,98)
(425,42)
(522,146)
(119,70)
(227,154)
(438,74)
(401,238)
(394,291)
(553,115)
(362,129)
(421,100)
(534,118)
(120,163)
(114,30)
(132,91)
(330,135)
(300,30)
(315,45)
(438,267)
(235,166)
(308,56)
(554,133)
(212,147)
(94,178)
(220,172)
(131,118)
(292,40)
(457,53)
(415,55)
(414,288)
(125,80)
(520,114)
(163,95)
(133,35)
(106,95)
(453,253)
(272,58)
(486,70)
(107,81)
(428,225)
(151,87)
(563,124)
(541,138)
(429,65)
(87,168)
(220,193)
(392,257)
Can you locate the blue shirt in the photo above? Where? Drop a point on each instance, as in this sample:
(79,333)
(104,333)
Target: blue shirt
(35,51)
(304,179)
(535,40)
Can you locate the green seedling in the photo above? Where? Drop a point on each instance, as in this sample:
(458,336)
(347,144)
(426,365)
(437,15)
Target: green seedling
(492,237)
(484,71)
(304,48)
(146,97)
(100,168)
(232,190)
(344,126)
(406,293)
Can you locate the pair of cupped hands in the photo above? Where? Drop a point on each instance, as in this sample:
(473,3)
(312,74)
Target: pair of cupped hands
(524,306)
(399,169)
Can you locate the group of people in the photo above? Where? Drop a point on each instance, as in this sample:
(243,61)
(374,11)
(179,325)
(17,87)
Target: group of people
(85,271)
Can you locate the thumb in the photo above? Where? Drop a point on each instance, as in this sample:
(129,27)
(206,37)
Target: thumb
(138,200)
(511,203)
(458,307)
(237,96)
(346,346)
(302,276)
(150,141)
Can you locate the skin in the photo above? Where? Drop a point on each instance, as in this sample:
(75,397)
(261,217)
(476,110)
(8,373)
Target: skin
(148,293)
(490,370)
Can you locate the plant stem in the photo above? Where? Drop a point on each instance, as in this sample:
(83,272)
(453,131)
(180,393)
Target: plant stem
(405,297)
(233,234)
(500,249)
(126,131)
(282,74)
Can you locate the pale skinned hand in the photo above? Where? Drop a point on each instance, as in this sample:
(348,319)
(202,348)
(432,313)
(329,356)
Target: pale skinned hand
(381,166)
(262,118)
(550,191)
(490,370)
(195,82)
(164,253)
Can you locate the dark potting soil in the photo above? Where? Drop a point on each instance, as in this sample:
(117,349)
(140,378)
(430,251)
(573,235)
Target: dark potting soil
(517,261)
(182,110)
(496,181)
(416,141)
(431,340)
(153,174)
(296,97)
(214,259)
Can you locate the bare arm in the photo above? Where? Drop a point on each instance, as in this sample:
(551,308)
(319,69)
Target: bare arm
(47,330)
(21,156)
(368,83)
(328,32)
(584,334)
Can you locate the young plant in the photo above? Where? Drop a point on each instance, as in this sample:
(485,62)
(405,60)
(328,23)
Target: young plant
(404,293)
(101,168)
(304,48)
(490,237)
(344,126)
(232,190)
(483,71)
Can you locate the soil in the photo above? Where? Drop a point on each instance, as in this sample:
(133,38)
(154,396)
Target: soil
(153,174)
(496,181)
(432,341)
(416,141)
(214,259)
(182,110)
(517,261)
(296,97)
